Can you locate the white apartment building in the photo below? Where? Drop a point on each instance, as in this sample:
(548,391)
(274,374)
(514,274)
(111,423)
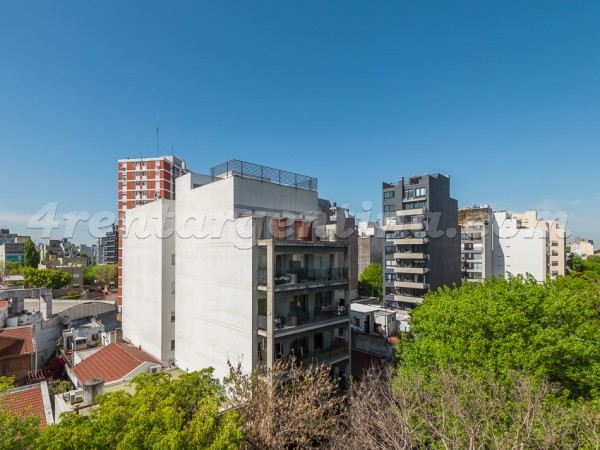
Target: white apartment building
(254,279)
(519,250)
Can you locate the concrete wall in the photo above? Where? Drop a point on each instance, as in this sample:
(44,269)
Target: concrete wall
(149,277)
(216,298)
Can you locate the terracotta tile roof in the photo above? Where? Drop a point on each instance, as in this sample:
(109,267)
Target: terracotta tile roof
(112,363)
(16,341)
(28,400)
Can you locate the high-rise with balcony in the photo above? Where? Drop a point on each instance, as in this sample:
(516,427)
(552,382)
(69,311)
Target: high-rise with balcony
(238,270)
(141,181)
(422,239)
(476,244)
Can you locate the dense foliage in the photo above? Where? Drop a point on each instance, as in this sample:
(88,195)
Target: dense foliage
(50,278)
(549,331)
(31,255)
(588,268)
(161,413)
(371,280)
(105,274)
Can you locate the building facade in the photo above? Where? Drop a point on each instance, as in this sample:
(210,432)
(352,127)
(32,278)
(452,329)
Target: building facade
(142,181)
(12,252)
(370,244)
(253,276)
(422,239)
(476,242)
(582,247)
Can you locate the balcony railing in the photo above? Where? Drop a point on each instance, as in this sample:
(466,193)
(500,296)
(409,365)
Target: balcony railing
(319,355)
(263,173)
(295,319)
(296,276)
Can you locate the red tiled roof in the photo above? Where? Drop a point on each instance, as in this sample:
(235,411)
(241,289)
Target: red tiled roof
(26,401)
(112,363)
(16,341)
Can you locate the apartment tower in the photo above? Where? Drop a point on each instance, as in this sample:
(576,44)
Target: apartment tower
(238,269)
(422,239)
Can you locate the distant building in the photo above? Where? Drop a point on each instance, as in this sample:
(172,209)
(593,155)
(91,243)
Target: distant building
(582,247)
(476,244)
(108,247)
(58,248)
(6,237)
(74,267)
(91,251)
(525,244)
(422,239)
(12,252)
(370,244)
(141,181)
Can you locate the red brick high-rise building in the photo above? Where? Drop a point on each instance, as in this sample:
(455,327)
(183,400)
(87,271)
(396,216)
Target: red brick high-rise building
(141,181)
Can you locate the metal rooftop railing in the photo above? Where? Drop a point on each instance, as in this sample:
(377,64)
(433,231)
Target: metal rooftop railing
(263,173)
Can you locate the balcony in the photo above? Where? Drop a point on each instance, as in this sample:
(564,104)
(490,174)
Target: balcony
(410,241)
(405,227)
(302,278)
(411,284)
(406,298)
(410,269)
(320,355)
(409,255)
(411,212)
(298,319)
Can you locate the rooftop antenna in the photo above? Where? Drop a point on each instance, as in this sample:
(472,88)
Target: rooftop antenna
(157,140)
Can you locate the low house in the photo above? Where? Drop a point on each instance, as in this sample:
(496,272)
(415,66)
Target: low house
(116,361)
(17,353)
(29,400)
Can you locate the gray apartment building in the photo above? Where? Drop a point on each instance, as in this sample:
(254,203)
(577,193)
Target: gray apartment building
(422,239)
(477,228)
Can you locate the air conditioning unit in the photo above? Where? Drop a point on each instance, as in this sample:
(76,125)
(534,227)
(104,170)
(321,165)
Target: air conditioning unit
(73,397)
(154,370)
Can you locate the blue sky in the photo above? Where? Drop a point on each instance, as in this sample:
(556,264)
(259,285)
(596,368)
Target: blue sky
(503,95)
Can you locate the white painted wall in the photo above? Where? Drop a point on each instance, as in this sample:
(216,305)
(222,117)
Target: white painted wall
(518,251)
(148,274)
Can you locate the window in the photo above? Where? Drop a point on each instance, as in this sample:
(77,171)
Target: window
(173,259)
(388,194)
(420,192)
(390,235)
(389,208)
(389,277)
(173,344)
(172,316)
(409,193)
(390,250)
(390,263)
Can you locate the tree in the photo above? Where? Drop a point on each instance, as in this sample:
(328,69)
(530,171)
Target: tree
(454,409)
(50,278)
(106,274)
(16,431)
(288,406)
(89,275)
(161,413)
(548,331)
(371,280)
(32,256)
